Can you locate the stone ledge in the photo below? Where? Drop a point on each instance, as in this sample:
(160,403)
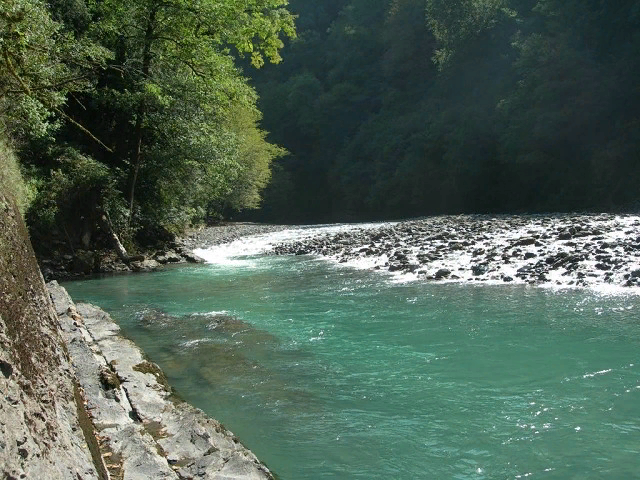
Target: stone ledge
(142,431)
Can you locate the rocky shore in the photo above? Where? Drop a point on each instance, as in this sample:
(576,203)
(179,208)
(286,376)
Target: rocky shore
(78,401)
(41,431)
(141,430)
(59,264)
(559,250)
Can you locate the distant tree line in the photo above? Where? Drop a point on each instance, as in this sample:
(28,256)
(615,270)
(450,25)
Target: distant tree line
(131,116)
(410,107)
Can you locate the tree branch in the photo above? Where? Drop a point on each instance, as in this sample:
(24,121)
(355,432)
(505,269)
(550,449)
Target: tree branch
(83,129)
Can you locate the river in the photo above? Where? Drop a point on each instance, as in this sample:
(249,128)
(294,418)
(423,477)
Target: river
(329,371)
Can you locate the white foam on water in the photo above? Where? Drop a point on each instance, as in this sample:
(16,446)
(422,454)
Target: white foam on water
(244,252)
(213,313)
(235,253)
(194,343)
(601,372)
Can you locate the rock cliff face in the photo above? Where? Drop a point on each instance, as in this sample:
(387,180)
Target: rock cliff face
(79,402)
(41,435)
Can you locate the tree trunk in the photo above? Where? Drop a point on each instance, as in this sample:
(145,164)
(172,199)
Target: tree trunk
(142,109)
(117,244)
(137,162)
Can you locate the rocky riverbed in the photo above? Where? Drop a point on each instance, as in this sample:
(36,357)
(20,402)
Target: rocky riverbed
(225,233)
(560,250)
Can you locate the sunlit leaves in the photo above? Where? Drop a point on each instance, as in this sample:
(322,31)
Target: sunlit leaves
(179,88)
(41,63)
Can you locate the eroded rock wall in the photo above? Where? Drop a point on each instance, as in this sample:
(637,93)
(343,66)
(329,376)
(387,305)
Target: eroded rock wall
(41,436)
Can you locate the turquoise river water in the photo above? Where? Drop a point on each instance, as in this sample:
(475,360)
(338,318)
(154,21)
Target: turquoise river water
(326,371)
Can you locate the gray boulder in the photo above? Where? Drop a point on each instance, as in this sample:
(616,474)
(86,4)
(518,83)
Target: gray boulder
(442,273)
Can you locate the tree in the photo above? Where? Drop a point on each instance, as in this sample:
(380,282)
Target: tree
(254,159)
(173,58)
(40,65)
(455,23)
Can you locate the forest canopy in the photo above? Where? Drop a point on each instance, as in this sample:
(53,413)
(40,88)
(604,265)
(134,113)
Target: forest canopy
(137,116)
(394,108)
(133,116)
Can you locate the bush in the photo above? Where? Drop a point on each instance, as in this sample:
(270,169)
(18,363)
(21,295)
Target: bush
(74,197)
(11,180)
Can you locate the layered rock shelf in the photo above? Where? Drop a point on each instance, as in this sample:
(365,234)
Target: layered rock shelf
(80,402)
(555,250)
(141,429)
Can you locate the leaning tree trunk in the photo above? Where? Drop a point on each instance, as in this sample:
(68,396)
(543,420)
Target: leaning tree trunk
(138,160)
(117,244)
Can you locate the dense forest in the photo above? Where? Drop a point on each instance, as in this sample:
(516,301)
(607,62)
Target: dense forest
(131,119)
(393,108)
(134,119)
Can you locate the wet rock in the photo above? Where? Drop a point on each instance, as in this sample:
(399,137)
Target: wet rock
(442,273)
(399,256)
(146,265)
(456,246)
(168,257)
(192,257)
(478,270)
(522,242)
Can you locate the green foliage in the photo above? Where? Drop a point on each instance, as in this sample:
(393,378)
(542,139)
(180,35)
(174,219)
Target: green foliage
(40,65)
(78,189)
(428,106)
(454,23)
(168,98)
(11,179)
(135,110)
(254,156)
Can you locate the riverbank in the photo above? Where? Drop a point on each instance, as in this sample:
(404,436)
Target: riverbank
(556,250)
(60,264)
(564,250)
(225,233)
(141,430)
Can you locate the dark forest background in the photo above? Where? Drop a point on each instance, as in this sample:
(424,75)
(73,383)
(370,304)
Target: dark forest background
(413,107)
